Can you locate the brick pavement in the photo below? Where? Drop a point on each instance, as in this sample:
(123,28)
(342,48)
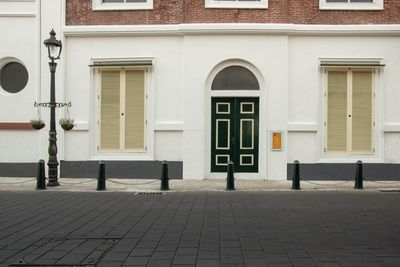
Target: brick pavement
(314,228)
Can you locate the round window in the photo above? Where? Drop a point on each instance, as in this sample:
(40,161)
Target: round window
(13,77)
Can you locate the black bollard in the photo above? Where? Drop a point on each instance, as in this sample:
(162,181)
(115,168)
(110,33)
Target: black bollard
(296,176)
(164,176)
(101,179)
(230,179)
(41,177)
(359,176)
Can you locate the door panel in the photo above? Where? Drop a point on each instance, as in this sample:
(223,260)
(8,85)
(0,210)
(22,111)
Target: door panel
(234,133)
(222,133)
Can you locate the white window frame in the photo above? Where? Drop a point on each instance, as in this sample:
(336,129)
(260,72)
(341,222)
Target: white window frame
(99,5)
(262,4)
(123,89)
(349,150)
(375,5)
(96,153)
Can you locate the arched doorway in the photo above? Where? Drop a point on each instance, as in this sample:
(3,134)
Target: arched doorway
(235,117)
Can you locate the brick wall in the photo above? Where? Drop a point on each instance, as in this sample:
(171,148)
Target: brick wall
(79,12)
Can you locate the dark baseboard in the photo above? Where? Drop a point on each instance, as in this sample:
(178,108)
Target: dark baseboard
(121,169)
(346,171)
(89,169)
(18,169)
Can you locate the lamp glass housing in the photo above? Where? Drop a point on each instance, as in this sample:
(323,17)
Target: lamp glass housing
(53,45)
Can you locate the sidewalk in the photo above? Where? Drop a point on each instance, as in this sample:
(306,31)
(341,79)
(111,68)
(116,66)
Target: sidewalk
(138,185)
(199,229)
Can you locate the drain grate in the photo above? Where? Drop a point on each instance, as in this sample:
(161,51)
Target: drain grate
(149,193)
(390,190)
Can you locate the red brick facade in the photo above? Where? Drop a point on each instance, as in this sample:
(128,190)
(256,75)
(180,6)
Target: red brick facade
(79,12)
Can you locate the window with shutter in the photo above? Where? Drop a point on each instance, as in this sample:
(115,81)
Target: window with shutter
(123,110)
(349,125)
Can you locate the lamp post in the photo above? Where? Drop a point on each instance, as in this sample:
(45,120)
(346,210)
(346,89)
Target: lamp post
(54,48)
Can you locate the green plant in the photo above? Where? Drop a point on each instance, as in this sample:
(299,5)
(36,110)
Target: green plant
(66,123)
(37,124)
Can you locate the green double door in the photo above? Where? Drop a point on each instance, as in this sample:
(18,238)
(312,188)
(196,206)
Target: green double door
(234,133)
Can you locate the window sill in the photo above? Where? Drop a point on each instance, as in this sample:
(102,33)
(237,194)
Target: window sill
(221,4)
(122,156)
(377,5)
(98,6)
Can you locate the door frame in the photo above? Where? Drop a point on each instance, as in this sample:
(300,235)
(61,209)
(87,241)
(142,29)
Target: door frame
(261,94)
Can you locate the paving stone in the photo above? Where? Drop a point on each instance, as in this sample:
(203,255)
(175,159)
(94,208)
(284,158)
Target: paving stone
(208,263)
(109,264)
(166,255)
(136,261)
(280,265)
(303,262)
(234,251)
(186,251)
(253,254)
(323,258)
(298,253)
(197,228)
(231,258)
(68,259)
(278,258)
(112,256)
(182,259)
(208,255)
(141,252)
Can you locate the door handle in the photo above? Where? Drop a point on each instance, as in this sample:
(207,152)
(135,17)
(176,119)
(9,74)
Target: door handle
(233,140)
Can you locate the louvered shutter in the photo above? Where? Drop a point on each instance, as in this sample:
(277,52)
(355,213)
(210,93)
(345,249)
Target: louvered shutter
(337,111)
(135,110)
(110,110)
(362,112)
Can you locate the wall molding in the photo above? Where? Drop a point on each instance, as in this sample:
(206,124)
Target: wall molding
(232,28)
(391,127)
(16,126)
(302,127)
(168,126)
(17,14)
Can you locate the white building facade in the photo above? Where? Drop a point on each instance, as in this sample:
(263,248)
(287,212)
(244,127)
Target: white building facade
(201,94)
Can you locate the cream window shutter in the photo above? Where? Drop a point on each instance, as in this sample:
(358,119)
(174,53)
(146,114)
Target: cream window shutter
(110,110)
(135,99)
(362,112)
(337,111)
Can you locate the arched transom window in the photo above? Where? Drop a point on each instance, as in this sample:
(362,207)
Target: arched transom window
(235,78)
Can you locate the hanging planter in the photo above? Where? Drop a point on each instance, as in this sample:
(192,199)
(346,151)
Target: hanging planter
(37,124)
(67,123)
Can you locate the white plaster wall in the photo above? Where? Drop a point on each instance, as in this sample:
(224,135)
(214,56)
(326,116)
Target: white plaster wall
(302,146)
(392,146)
(305,99)
(168,145)
(201,55)
(18,41)
(165,88)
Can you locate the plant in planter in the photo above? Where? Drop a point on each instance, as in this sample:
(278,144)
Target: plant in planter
(37,124)
(67,123)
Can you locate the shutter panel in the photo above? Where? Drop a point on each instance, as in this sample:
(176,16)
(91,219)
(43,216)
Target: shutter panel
(135,110)
(337,111)
(110,110)
(362,112)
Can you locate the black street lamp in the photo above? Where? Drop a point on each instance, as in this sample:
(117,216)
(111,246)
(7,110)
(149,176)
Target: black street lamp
(54,48)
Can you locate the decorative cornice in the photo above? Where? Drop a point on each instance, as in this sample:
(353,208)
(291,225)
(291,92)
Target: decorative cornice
(234,28)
